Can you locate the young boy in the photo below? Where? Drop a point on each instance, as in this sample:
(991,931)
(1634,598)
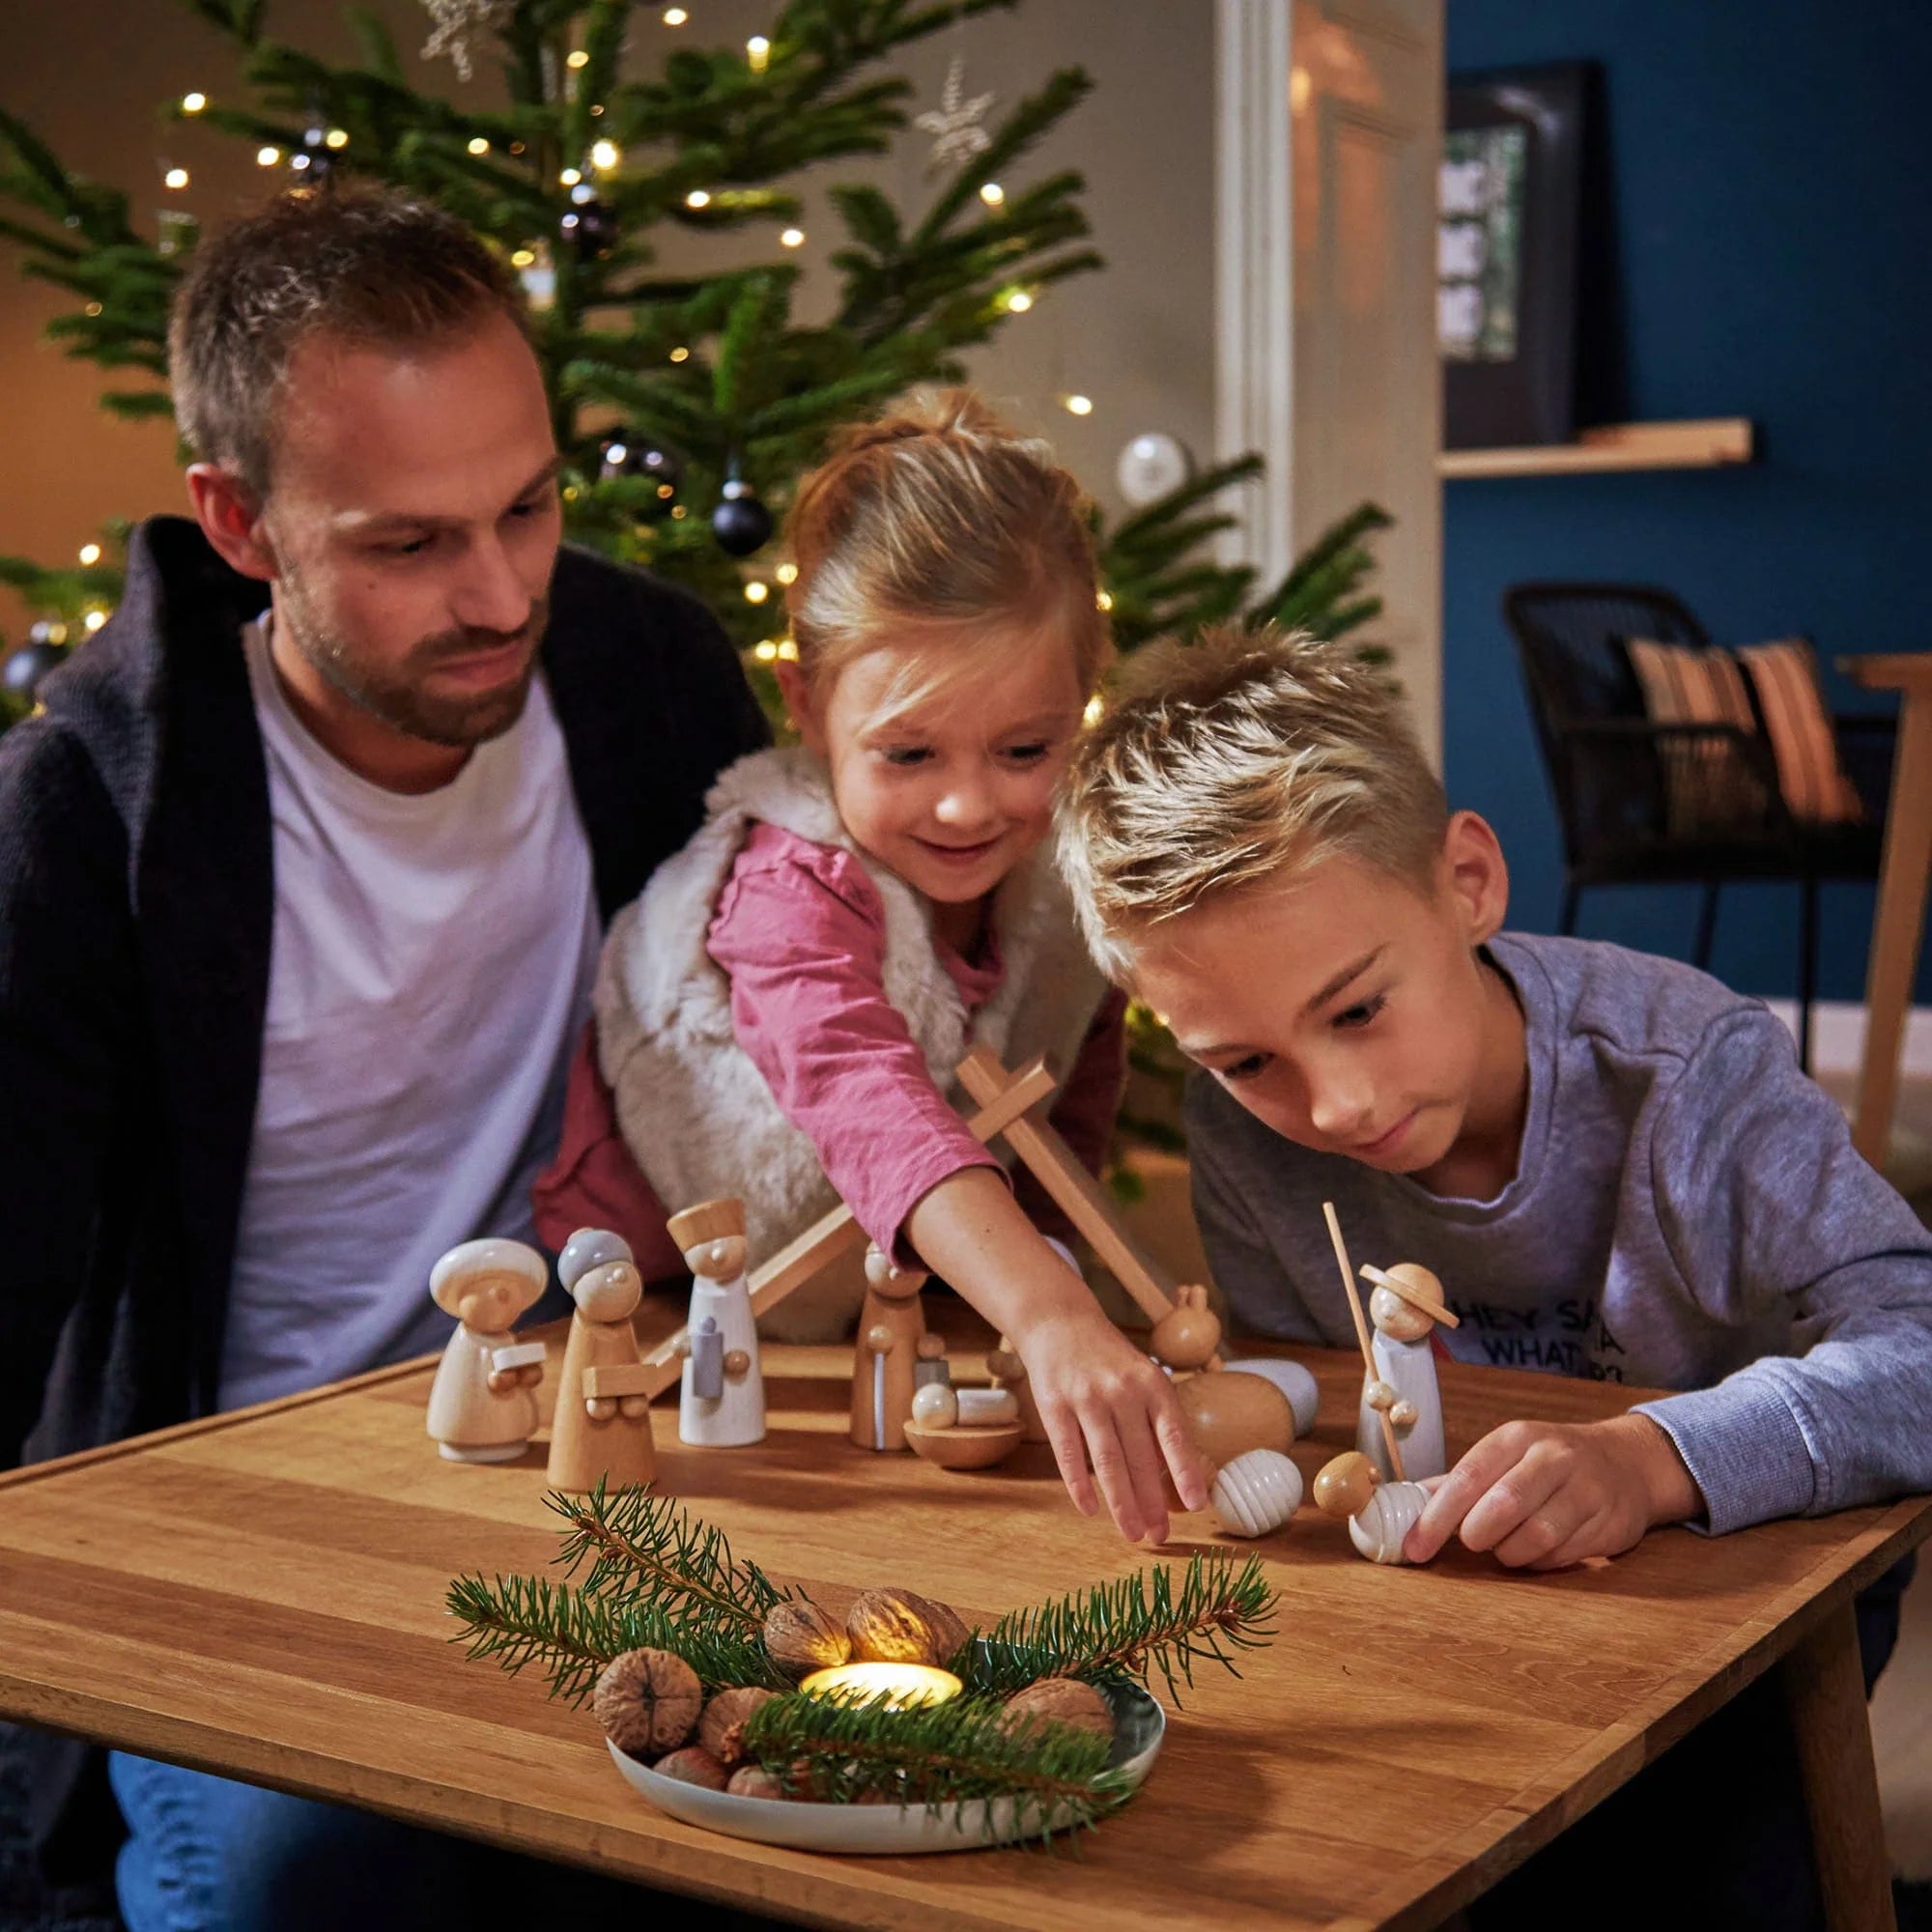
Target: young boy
(1613,1163)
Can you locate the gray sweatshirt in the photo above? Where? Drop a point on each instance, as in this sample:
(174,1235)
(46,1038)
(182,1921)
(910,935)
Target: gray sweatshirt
(1686,1213)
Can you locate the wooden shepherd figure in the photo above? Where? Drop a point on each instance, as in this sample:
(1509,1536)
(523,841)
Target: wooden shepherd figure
(1407,1303)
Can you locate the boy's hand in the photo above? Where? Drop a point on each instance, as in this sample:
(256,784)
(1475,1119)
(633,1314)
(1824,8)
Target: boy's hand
(1546,1494)
(1104,1405)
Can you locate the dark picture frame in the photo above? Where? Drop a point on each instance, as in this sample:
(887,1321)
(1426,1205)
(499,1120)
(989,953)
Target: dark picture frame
(1507,254)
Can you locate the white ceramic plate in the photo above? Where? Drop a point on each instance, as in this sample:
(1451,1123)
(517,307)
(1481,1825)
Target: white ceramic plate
(1139,1726)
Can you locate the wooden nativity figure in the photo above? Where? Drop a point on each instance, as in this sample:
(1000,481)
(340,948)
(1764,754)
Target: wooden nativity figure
(1404,1307)
(885,1362)
(482,1405)
(721,1389)
(602,1428)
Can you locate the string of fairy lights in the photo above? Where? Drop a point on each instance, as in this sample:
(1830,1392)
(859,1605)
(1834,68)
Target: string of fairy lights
(586,223)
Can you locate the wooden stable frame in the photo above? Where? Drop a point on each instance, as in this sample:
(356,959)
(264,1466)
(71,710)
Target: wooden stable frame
(1013,1107)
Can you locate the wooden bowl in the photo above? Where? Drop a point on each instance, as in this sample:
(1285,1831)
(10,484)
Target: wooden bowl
(966,1445)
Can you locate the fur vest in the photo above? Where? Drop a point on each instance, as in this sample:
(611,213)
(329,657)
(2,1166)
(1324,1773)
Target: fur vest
(694,1111)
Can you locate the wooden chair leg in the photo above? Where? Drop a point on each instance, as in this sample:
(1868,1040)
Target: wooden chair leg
(1707,926)
(1807,965)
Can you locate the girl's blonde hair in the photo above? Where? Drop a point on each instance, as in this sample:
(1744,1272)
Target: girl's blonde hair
(939,515)
(1235,764)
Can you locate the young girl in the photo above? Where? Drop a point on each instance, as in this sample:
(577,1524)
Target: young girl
(779,1014)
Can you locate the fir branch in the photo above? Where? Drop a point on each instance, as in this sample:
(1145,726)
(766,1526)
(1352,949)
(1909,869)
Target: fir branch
(646,1550)
(1125,1628)
(838,1752)
(571,1635)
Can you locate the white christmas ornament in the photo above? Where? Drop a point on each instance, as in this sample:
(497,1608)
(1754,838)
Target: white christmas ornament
(956,123)
(1256,1492)
(1150,465)
(455,22)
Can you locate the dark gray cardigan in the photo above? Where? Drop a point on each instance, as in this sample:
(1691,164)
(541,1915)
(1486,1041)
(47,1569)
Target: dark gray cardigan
(136,910)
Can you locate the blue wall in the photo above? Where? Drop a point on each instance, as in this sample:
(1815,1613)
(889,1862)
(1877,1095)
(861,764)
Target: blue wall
(1769,173)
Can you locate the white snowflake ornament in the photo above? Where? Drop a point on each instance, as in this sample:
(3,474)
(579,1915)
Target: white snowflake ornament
(954,124)
(456,20)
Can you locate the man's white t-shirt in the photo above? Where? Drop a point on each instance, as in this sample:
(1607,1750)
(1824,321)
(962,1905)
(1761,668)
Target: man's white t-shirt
(431,970)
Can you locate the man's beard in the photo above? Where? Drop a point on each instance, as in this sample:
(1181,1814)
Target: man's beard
(397,693)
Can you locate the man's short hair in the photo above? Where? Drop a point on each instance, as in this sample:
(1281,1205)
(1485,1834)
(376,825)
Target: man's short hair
(369,265)
(1230,764)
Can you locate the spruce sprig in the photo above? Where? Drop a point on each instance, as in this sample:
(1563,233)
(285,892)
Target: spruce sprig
(571,1635)
(1128,1627)
(644,1549)
(837,1750)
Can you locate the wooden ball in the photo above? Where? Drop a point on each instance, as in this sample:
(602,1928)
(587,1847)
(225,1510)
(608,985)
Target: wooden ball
(936,1405)
(1231,1413)
(1343,1488)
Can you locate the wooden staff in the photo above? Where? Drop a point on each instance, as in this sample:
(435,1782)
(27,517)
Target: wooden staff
(1361,1331)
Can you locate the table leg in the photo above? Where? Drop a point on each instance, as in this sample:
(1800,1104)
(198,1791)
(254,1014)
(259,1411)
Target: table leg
(1825,1688)
(1897,928)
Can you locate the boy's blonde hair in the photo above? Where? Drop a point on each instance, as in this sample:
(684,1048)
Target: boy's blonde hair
(1232,763)
(937,514)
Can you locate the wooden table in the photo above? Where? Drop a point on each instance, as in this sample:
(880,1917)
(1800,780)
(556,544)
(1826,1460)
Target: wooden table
(262,1595)
(1901,889)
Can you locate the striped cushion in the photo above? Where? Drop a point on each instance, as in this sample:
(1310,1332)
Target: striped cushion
(1814,787)
(1709,790)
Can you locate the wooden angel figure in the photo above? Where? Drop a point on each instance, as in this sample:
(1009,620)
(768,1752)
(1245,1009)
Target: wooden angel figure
(1404,1307)
(1379,1515)
(602,1428)
(721,1389)
(884,1362)
(482,1405)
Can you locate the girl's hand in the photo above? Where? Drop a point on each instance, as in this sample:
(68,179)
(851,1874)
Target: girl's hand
(1112,1419)
(1544,1494)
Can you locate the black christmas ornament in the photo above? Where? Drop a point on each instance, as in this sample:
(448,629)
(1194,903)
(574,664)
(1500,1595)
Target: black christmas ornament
(740,522)
(22,669)
(588,226)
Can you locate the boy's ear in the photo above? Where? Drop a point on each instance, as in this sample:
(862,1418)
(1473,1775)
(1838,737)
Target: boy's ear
(230,520)
(796,692)
(1476,874)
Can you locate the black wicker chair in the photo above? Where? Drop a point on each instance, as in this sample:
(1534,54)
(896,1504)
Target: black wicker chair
(1614,769)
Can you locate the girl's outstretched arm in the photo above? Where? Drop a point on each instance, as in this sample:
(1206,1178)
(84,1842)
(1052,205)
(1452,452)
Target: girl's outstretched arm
(1108,1411)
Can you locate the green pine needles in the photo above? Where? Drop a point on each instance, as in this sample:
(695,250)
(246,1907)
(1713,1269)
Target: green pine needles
(642,1547)
(1131,1626)
(940,1755)
(659,1580)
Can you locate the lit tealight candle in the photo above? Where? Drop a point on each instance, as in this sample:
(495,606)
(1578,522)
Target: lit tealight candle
(898,1686)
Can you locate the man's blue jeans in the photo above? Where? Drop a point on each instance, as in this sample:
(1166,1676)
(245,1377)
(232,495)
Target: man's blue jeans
(204,1853)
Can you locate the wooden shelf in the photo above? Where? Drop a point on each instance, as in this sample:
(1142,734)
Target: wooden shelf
(1704,445)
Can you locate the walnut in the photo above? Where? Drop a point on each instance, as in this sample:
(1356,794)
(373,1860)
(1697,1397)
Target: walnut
(692,1765)
(800,1637)
(902,1627)
(721,1730)
(648,1701)
(754,1781)
(1062,1700)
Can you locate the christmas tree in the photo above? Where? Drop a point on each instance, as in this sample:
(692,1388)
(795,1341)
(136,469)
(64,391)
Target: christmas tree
(686,405)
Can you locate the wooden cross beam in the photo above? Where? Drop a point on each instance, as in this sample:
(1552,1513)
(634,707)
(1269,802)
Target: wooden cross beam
(1078,1195)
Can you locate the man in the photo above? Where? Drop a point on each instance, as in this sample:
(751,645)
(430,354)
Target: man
(302,871)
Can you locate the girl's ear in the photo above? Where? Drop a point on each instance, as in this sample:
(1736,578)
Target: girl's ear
(1476,874)
(796,692)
